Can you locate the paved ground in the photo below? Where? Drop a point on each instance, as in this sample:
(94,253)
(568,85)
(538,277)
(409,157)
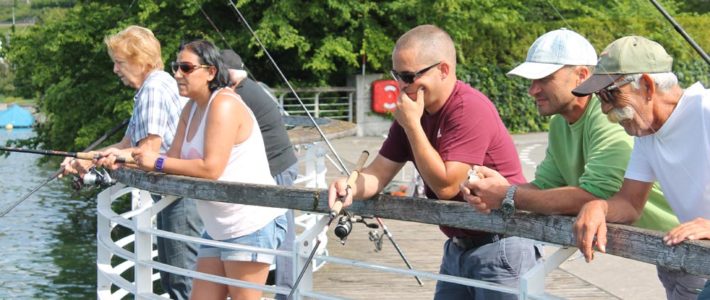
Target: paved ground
(623,278)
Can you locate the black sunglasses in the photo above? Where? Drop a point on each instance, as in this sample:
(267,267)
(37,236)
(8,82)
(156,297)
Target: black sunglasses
(606,94)
(410,77)
(185,67)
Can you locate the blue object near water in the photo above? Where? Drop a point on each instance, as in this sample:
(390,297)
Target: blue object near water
(17,116)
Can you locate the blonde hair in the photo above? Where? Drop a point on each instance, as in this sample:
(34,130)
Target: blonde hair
(138,44)
(432,43)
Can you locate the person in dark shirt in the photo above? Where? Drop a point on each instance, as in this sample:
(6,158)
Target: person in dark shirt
(282,158)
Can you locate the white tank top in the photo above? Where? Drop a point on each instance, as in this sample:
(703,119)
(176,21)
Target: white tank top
(247,164)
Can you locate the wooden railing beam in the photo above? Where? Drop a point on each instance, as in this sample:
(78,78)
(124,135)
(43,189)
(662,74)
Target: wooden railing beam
(625,241)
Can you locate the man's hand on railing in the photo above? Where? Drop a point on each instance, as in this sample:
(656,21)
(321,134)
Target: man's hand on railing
(590,228)
(697,229)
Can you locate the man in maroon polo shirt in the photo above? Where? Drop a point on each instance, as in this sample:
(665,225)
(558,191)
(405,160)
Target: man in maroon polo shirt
(447,128)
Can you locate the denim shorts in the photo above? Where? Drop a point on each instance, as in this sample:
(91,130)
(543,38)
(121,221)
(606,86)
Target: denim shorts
(270,237)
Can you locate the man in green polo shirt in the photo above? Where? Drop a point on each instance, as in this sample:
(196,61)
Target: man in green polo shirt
(586,156)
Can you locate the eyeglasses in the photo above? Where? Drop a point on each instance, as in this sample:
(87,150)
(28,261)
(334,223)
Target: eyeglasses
(606,94)
(185,67)
(409,77)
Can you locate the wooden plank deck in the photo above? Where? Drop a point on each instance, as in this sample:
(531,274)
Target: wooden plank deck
(422,244)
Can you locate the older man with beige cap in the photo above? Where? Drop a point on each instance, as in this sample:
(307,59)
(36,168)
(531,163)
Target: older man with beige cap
(634,81)
(586,155)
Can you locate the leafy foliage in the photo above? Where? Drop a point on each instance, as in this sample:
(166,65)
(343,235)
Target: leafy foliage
(63,62)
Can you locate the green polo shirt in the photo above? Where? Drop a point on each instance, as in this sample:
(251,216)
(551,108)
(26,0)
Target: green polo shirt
(592,154)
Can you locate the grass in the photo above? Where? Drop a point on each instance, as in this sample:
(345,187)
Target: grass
(17,100)
(7,28)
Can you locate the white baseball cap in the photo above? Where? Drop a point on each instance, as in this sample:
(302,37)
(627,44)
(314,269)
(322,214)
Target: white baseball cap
(554,50)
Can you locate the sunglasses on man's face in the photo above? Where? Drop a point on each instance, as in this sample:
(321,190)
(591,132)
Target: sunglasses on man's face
(410,77)
(185,67)
(606,95)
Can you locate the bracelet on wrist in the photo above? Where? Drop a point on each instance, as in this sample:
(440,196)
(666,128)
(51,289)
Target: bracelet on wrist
(160,163)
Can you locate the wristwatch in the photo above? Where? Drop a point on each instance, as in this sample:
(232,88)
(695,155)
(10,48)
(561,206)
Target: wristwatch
(159,163)
(507,207)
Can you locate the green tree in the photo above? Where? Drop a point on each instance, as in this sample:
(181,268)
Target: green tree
(63,62)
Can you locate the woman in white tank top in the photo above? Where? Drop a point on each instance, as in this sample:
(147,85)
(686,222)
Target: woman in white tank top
(218,138)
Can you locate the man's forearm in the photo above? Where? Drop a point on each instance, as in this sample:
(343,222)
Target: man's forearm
(621,211)
(430,165)
(557,201)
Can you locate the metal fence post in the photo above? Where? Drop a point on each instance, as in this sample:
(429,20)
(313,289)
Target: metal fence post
(143,246)
(532,283)
(310,162)
(302,248)
(350,107)
(316,105)
(320,166)
(103,256)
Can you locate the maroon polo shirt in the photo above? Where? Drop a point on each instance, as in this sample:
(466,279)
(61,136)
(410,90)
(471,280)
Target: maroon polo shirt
(466,129)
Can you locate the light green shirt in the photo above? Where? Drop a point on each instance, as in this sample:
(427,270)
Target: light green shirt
(592,154)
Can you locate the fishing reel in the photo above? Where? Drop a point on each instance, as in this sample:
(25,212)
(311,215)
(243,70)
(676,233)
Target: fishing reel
(345,225)
(94,177)
(376,238)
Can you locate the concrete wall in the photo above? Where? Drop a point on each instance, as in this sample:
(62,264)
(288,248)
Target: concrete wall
(368,122)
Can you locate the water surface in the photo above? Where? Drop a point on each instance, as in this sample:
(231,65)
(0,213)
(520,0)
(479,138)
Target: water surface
(47,243)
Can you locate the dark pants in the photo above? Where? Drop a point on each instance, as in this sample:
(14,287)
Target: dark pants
(179,217)
(501,261)
(680,285)
(284,265)
(705,294)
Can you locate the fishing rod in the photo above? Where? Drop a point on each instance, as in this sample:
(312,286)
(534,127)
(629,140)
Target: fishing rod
(310,117)
(290,87)
(682,32)
(77,155)
(320,132)
(56,174)
(334,212)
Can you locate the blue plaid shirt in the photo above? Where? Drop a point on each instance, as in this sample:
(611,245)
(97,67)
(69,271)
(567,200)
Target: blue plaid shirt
(156,110)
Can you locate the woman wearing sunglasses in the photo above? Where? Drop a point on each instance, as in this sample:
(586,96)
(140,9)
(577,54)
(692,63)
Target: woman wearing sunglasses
(218,138)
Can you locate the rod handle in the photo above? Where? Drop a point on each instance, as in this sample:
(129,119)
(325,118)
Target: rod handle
(87,155)
(93,155)
(125,160)
(338,204)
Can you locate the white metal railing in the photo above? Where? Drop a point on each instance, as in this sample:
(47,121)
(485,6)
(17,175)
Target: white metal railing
(332,102)
(114,259)
(118,256)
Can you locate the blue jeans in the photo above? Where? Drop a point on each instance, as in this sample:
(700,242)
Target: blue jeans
(680,285)
(284,265)
(705,294)
(179,217)
(270,236)
(503,261)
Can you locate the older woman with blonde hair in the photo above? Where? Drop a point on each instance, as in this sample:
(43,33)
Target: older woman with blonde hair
(219,138)
(137,61)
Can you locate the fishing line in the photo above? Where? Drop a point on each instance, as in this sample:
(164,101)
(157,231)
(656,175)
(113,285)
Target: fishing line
(226,44)
(290,87)
(325,139)
(56,174)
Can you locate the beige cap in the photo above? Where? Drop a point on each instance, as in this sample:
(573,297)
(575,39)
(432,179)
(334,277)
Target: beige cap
(627,55)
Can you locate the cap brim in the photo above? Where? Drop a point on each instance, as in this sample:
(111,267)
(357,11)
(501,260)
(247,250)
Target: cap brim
(595,83)
(533,70)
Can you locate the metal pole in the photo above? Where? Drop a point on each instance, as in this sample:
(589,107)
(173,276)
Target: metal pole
(682,32)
